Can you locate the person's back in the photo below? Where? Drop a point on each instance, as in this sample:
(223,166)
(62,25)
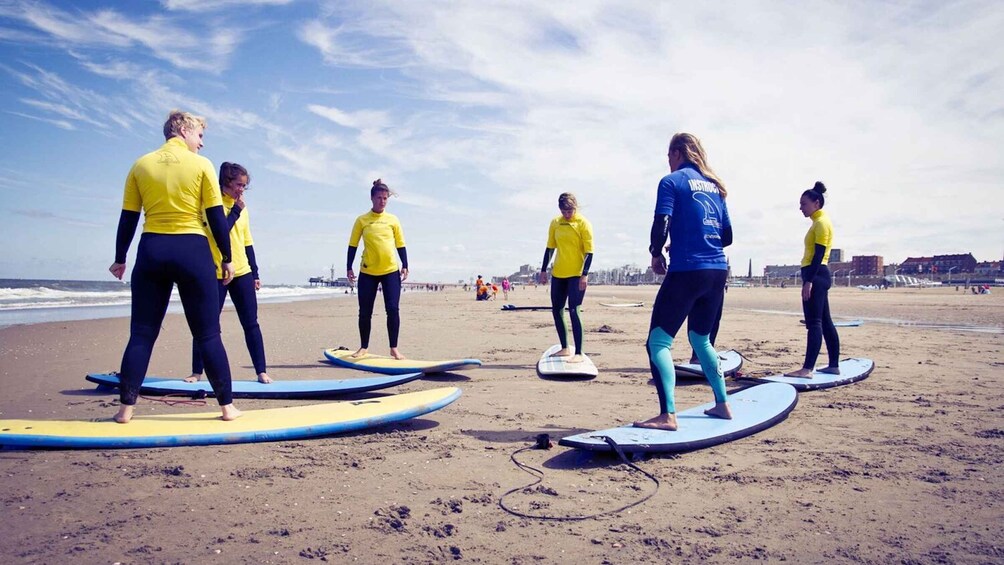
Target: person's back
(172,185)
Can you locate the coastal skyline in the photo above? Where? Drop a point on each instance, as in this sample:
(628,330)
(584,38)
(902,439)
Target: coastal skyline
(479,114)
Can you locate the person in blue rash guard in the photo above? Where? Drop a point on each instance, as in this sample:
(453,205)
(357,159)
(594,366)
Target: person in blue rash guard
(690,210)
(173,186)
(816,282)
(234,181)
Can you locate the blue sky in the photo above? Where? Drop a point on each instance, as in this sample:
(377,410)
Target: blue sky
(480,113)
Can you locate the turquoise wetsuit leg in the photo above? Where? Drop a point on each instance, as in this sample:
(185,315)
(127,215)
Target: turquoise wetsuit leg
(709,363)
(660,346)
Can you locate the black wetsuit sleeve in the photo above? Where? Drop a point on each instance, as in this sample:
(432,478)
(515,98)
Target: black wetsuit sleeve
(547,259)
(254,263)
(235,213)
(350,258)
(727,237)
(587,263)
(659,234)
(221,232)
(128,220)
(809,274)
(403,252)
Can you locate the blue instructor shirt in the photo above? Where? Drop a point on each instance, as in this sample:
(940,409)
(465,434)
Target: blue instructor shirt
(699,215)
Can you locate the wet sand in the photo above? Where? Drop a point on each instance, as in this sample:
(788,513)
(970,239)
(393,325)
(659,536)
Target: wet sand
(904,466)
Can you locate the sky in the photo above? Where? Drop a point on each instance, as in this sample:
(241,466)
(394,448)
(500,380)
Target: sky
(479,114)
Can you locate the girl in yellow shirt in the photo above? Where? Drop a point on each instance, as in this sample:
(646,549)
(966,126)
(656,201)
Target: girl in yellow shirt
(571,235)
(383,242)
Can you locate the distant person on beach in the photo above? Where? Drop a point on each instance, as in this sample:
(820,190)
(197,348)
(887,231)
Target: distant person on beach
(174,186)
(234,180)
(383,242)
(506,287)
(571,235)
(816,282)
(690,210)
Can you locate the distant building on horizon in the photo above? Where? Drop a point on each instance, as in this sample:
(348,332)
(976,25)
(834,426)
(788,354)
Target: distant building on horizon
(938,264)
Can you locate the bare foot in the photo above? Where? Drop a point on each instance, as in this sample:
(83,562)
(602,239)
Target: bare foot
(396,354)
(661,422)
(577,358)
(124,413)
(801,373)
(230,412)
(361,352)
(720,411)
(193,378)
(263,378)
(830,370)
(562,353)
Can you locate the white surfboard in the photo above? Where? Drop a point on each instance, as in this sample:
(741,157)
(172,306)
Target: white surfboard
(556,367)
(753,409)
(851,370)
(622,304)
(842,323)
(730,361)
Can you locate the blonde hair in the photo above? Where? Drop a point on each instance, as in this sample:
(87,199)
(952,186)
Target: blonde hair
(178,119)
(567,200)
(693,153)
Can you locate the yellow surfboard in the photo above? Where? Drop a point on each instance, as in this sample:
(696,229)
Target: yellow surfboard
(272,424)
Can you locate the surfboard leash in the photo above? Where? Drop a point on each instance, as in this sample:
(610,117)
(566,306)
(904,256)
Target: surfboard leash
(176,399)
(543,441)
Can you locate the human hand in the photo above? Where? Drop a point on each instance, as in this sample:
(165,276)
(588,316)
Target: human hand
(583,282)
(542,277)
(404,275)
(351,275)
(806,291)
(117,270)
(257,284)
(228,272)
(659,265)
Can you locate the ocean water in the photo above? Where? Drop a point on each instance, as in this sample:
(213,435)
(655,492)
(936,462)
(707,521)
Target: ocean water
(30,301)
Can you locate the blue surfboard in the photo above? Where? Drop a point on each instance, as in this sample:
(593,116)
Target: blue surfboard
(254,389)
(390,366)
(753,409)
(851,370)
(273,424)
(731,361)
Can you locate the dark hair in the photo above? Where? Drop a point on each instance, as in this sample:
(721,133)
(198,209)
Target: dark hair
(816,193)
(230,171)
(378,186)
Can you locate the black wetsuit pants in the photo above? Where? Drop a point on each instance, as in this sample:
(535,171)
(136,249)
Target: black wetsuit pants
(162,261)
(245,300)
(818,321)
(391,284)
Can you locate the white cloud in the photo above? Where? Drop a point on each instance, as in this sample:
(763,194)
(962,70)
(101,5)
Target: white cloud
(215,5)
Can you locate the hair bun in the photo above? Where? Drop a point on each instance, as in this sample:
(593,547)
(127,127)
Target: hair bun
(378,182)
(819,187)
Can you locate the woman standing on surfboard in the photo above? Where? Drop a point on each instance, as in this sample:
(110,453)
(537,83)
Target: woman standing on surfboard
(690,210)
(234,180)
(571,235)
(816,282)
(173,186)
(381,234)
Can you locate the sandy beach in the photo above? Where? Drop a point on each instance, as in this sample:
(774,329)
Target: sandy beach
(906,466)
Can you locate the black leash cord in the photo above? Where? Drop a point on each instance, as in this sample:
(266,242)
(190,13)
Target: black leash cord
(175,399)
(540,477)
